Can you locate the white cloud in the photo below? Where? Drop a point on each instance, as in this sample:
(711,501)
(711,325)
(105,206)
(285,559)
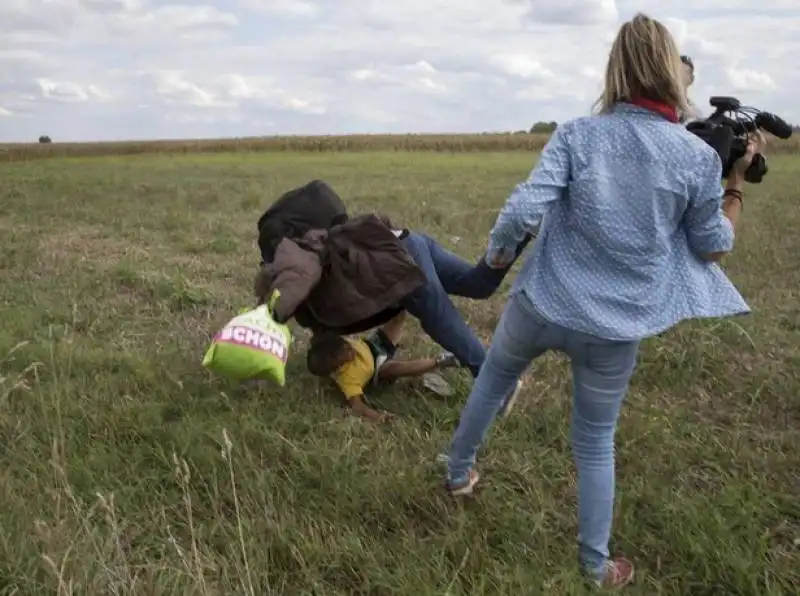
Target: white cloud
(679,29)
(522,66)
(289,8)
(226,94)
(68,91)
(113,5)
(422,66)
(144,68)
(176,90)
(420,76)
(190,17)
(302,105)
(571,12)
(750,80)
(170,22)
(368,74)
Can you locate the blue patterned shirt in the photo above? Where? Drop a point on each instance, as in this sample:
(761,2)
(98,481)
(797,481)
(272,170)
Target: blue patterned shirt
(631,201)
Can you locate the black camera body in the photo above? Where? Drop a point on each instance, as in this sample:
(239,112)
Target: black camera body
(727,134)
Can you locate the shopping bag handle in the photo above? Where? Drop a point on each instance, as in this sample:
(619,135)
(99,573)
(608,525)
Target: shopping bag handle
(269,304)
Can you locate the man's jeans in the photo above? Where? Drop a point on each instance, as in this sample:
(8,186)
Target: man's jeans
(449,275)
(601,371)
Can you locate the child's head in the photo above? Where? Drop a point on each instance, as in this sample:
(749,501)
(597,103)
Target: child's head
(327,352)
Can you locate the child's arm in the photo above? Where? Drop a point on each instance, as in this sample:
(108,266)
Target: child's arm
(359,406)
(354,394)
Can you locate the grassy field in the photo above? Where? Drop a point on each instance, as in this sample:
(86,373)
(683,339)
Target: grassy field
(127,469)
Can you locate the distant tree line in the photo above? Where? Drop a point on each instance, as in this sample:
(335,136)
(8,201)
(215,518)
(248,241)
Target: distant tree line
(543,127)
(538,128)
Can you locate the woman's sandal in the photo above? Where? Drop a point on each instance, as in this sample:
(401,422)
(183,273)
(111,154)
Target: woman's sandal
(465,488)
(618,573)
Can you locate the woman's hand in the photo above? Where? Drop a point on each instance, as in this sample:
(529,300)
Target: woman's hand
(756,143)
(497,260)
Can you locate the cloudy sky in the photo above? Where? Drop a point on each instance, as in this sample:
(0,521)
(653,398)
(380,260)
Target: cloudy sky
(130,69)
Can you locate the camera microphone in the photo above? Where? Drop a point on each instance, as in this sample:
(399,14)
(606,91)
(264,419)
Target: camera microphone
(774,125)
(728,134)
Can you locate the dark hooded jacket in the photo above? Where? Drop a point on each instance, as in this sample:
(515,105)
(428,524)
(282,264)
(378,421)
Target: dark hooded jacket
(345,277)
(313,206)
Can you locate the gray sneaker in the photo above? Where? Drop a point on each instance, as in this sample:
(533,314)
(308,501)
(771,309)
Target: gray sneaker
(447,360)
(437,384)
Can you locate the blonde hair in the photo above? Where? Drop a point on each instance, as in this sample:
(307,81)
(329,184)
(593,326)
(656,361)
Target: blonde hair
(644,63)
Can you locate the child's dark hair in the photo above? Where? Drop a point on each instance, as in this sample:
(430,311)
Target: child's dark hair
(327,352)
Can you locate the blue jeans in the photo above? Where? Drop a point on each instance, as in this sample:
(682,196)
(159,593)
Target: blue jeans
(601,371)
(449,275)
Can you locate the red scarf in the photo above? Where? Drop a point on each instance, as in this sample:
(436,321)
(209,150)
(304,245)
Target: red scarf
(669,112)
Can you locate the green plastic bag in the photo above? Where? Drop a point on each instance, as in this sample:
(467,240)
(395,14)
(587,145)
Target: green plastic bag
(251,346)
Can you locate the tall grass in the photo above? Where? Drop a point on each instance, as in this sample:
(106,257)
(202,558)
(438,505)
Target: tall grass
(411,142)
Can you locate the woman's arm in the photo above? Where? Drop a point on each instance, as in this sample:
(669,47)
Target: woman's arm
(710,222)
(708,228)
(530,200)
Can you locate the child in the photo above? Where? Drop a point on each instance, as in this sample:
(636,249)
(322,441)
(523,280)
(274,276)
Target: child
(355,363)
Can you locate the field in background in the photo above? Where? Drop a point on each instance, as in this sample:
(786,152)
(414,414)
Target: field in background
(416,142)
(129,470)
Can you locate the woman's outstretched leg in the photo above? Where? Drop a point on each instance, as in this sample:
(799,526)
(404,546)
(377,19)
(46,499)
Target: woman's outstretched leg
(518,339)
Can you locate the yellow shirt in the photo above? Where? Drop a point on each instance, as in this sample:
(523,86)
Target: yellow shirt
(353,376)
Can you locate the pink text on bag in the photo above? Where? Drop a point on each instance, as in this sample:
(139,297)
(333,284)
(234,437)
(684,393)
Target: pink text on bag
(254,338)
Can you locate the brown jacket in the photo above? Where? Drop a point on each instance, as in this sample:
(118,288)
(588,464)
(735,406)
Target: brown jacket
(294,272)
(346,279)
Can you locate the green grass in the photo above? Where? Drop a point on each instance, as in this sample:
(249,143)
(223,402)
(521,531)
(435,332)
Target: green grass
(127,469)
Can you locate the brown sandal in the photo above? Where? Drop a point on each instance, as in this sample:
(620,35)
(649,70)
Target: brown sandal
(618,573)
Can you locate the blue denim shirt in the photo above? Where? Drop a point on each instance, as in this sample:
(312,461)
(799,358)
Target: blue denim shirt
(631,202)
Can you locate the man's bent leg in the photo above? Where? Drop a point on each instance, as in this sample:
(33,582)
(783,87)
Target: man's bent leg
(461,278)
(441,320)
(437,314)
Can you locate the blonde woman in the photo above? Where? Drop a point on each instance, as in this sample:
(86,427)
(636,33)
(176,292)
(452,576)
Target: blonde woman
(636,220)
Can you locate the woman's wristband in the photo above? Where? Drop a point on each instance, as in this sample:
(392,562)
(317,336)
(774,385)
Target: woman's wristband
(735,193)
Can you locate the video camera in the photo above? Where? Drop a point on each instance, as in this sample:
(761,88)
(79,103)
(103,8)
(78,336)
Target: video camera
(728,134)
